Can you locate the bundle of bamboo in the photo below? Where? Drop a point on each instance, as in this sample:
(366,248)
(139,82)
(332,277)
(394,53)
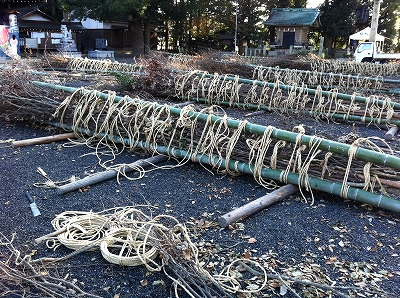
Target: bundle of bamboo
(234,146)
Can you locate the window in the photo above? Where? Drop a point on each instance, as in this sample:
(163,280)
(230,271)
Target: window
(364,47)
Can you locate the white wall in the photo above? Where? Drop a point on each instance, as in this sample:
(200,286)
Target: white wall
(92,24)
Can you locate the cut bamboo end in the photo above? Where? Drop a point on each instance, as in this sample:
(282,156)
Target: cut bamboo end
(391,133)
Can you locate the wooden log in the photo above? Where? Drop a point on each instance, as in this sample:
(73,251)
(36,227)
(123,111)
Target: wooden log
(383,181)
(257,205)
(50,235)
(43,140)
(391,133)
(102,176)
(254,114)
(183,104)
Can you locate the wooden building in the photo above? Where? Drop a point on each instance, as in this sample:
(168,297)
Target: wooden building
(291,26)
(38,30)
(9,32)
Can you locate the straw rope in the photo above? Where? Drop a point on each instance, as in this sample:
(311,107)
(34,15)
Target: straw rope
(106,65)
(349,67)
(342,82)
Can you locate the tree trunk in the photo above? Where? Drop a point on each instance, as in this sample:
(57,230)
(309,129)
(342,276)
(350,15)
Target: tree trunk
(136,27)
(166,35)
(147,43)
(328,44)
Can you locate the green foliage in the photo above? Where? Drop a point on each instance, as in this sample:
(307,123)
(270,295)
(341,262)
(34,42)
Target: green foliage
(338,17)
(388,23)
(125,81)
(194,24)
(106,10)
(53,8)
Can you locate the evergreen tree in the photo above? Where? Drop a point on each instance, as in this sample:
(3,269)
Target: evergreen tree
(338,21)
(388,21)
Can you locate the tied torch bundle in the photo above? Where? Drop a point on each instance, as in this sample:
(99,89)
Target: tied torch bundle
(358,171)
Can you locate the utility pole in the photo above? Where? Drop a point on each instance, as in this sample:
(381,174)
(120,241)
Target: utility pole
(375,20)
(236,26)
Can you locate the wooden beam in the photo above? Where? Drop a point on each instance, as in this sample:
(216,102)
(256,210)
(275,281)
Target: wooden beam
(102,176)
(43,140)
(257,205)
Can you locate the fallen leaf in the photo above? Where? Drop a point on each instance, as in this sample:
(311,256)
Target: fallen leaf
(158,283)
(252,240)
(283,290)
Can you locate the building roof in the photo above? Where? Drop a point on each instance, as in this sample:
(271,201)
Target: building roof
(50,26)
(365,34)
(33,19)
(24,13)
(293,17)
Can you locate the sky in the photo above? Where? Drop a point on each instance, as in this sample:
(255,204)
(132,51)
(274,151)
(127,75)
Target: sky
(314,3)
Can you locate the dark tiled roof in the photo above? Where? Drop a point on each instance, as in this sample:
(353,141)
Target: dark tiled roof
(27,11)
(292,16)
(49,26)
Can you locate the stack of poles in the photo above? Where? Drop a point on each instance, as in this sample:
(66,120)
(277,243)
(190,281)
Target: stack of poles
(356,194)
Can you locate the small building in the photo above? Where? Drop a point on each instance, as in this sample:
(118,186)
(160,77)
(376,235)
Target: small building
(113,34)
(9,31)
(39,31)
(291,26)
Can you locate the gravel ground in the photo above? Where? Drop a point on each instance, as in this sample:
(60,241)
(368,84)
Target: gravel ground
(333,241)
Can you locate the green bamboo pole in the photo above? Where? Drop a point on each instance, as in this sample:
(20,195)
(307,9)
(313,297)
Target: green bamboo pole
(309,91)
(288,136)
(253,106)
(355,194)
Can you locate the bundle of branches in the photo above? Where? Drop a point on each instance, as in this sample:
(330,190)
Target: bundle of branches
(51,60)
(237,92)
(22,100)
(298,61)
(20,277)
(227,143)
(214,62)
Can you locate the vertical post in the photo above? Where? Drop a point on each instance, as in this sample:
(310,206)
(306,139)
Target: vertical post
(321,46)
(236,26)
(375,20)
